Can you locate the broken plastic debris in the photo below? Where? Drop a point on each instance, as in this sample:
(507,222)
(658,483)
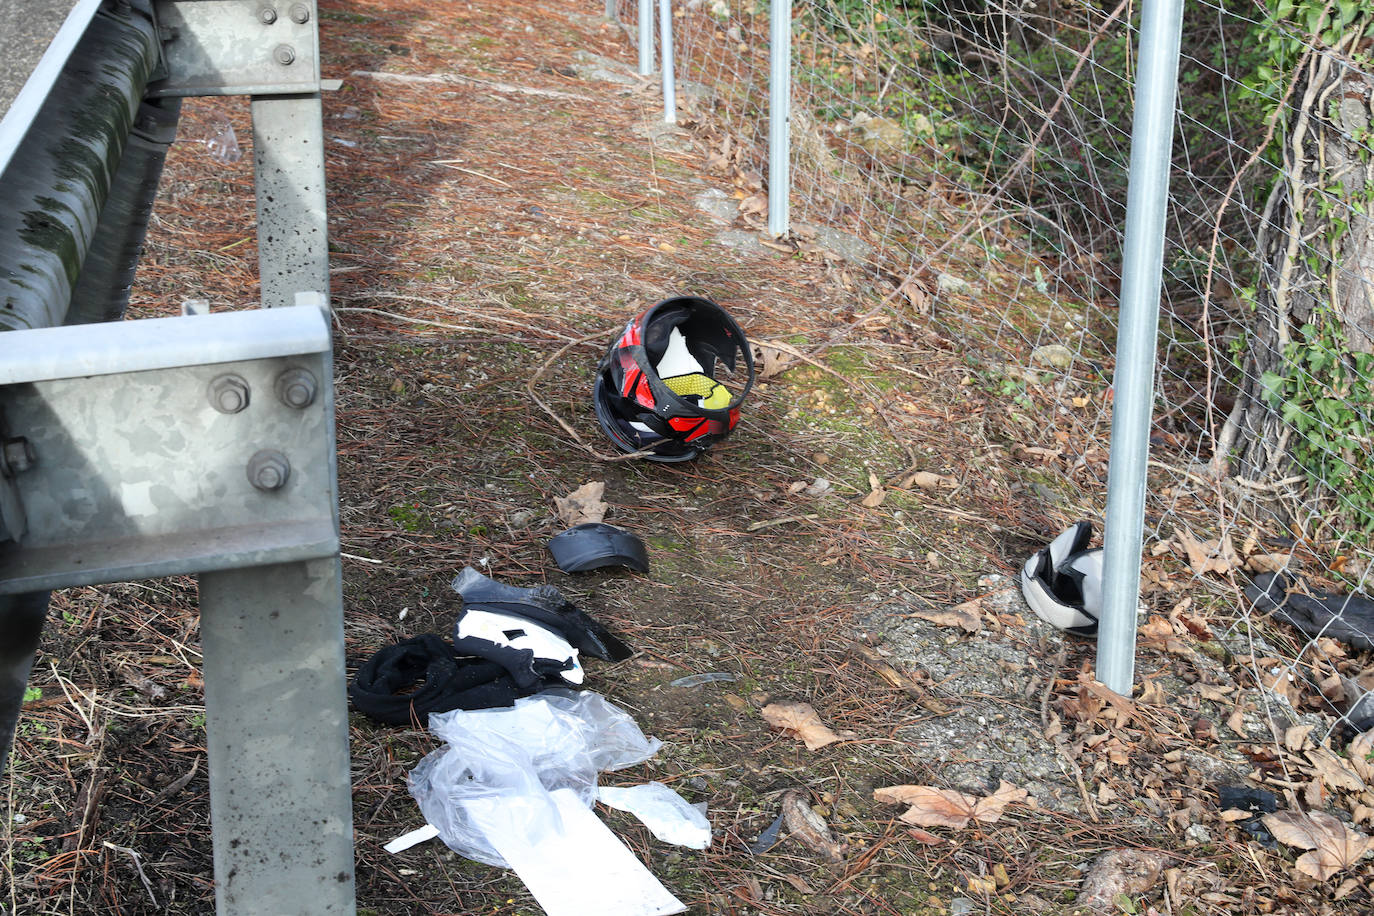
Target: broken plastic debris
(413,838)
(667,814)
(596,544)
(528,650)
(696,680)
(545,605)
(219,138)
(768,837)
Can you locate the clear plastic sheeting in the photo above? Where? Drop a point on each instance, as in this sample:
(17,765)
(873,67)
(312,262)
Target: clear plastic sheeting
(669,816)
(512,759)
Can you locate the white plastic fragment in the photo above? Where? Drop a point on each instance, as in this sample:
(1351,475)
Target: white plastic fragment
(667,815)
(413,838)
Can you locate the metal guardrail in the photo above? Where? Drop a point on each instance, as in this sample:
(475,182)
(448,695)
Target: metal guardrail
(202,444)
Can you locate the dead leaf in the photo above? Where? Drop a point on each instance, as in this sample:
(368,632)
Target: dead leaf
(1295,738)
(924,837)
(1218,556)
(1267,562)
(755,205)
(876,493)
(582,505)
(966,616)
(1333,845)
(1333,771)
(802,719)
(1361,753)
(1152,693)
(916,294)
(935,807)
(1236,721)
(1158,633)
(927,481)
(770,361)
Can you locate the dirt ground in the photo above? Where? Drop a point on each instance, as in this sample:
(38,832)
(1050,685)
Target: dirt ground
(493,221)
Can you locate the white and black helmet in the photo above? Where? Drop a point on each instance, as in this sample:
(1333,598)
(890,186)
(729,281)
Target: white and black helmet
(1062,583)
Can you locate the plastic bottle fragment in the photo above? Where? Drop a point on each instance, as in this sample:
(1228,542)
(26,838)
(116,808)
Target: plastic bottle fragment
(696,680)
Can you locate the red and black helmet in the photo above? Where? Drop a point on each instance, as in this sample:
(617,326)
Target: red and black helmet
(670,383)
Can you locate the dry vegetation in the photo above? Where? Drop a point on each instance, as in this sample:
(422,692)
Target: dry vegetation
(853,546)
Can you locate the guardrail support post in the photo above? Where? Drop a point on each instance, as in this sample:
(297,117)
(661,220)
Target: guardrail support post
(779,116)
(1137,332)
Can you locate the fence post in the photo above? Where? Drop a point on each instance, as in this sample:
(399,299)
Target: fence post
(1137,333)
(665,42)
(646,37)
(779,114)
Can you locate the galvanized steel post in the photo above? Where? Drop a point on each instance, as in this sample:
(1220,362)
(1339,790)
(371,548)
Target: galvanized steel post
(1137,332)
(779,114)
(646,37)
(665,42)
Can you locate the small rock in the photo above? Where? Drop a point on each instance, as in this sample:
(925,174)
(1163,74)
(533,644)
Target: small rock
(1198,833)
(1056,356)
(961,905)
(523,519)
(952,285)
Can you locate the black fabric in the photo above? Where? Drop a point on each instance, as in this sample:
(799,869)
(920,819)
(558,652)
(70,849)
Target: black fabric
(447,681)
(1346,618)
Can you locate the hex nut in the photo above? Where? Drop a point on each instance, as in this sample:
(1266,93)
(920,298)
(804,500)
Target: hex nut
(284,55)
(297,388)
(268,470)
(228,393)
(267,15)
(16,456)
(300,13)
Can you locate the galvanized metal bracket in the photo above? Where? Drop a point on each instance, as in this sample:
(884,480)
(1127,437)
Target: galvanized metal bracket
(238,47)
(168,446)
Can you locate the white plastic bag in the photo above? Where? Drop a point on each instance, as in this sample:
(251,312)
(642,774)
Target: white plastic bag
(517,756)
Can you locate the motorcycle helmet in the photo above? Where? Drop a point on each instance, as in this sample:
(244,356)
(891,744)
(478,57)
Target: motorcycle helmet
(670,382)
(1062,583)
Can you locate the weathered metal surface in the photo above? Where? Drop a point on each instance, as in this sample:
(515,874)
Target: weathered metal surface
(293,230)
(57,183)
(239,47)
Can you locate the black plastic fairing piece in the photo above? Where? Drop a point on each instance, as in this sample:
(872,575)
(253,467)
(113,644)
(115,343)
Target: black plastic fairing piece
(597,544)
(546,605)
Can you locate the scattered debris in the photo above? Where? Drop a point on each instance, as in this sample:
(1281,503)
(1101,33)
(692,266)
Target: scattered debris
(593,545)
(1346,618)
(696,680)
(1119,873)
(809,828)
(802,719)
(967,616)
(667,814)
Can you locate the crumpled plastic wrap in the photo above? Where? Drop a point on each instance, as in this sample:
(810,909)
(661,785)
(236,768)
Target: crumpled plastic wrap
(515,757)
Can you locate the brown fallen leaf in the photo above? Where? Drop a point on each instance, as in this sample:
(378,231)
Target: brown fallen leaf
(802,719)
(925,837)
(1117,872)
(1361,754)
(1333,845)
(809,828)
(935,807)
(1333,771)
(927,481)
(1218,556)
(876,493)
(967,616)
(1268,562)
(582,505)
(770,361)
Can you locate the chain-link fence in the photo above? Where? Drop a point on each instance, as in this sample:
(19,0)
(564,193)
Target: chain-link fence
(982,149)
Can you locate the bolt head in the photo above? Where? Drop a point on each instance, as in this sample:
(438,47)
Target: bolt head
(268,470)
(284,55)
(228,393)
(267,15)
(16,456)
(297,388)
(300,13)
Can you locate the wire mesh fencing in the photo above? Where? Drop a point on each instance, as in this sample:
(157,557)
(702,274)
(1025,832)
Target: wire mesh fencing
(980,149)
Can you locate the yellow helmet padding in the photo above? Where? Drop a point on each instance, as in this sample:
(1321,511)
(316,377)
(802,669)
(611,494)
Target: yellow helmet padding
(713,394)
